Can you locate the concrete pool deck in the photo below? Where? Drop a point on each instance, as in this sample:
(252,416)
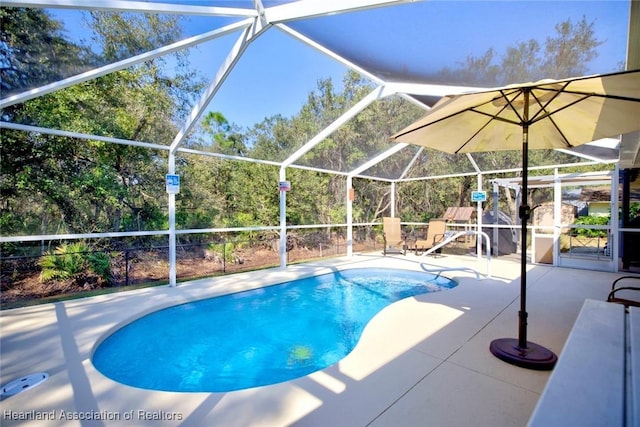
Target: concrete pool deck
(424,360)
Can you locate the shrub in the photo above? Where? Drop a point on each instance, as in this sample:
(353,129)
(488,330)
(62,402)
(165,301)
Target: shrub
(74,262)
(64,263)
(590,232)
(100,263)
(224,251)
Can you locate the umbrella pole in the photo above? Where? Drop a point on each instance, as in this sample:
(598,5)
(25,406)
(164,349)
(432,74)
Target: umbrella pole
(524,215)
(519,351)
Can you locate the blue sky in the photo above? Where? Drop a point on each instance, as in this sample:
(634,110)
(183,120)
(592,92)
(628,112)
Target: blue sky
(277,72)
(275,75)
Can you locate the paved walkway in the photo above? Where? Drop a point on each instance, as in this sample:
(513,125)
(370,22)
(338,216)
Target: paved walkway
(421,361)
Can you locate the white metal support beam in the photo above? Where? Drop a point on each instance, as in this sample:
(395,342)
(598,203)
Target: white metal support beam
(496,220)
(503,171)
(377,159)
(172,226)
(231,60)
(473,163)
(226,156)
(349,202)
(581,155)
(411,163)
(331,54)
(630,143)
(429,178)
(393,199)
(614,220)
(479,220)
(431,89)
(261,12)
(70,236)
(557,215)
(283,221)
(78,135)
(344,118)
(120,65)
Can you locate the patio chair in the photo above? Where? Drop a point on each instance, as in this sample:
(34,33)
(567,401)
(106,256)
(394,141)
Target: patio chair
(436,231)
(624,300)
(394,240)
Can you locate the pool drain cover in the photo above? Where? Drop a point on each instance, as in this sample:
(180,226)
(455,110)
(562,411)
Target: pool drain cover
(24,383)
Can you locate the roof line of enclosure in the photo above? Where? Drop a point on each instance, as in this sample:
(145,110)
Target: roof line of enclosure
(120,65)
(267,18)
(356,173)
(509,170)
(241,44)
(257,28)
(565,179)
(280,13)
(251,29)
(283,13)
(148,145)
(379,92)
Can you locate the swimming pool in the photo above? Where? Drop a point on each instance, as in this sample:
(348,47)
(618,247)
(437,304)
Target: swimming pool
(258,337)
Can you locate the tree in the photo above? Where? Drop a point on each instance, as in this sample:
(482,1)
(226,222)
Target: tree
(567,54)
(50,183)
(33,50)
(224,138)
(93,185)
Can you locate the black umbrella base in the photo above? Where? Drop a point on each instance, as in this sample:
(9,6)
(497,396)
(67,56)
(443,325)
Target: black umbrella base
(533,357)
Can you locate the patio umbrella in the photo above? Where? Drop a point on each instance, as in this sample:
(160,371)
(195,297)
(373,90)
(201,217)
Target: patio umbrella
(543,115)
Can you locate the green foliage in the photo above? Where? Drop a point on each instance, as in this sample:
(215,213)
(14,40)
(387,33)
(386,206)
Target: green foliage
(591,220)
(100,263)
(70,185)
(53,184)
(72,262)
(33,50)
(64,263)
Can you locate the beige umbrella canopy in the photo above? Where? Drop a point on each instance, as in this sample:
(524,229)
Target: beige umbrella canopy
(562,114)
(543,115)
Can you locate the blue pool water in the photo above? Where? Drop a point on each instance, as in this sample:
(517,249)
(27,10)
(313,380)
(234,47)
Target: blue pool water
(258,337)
